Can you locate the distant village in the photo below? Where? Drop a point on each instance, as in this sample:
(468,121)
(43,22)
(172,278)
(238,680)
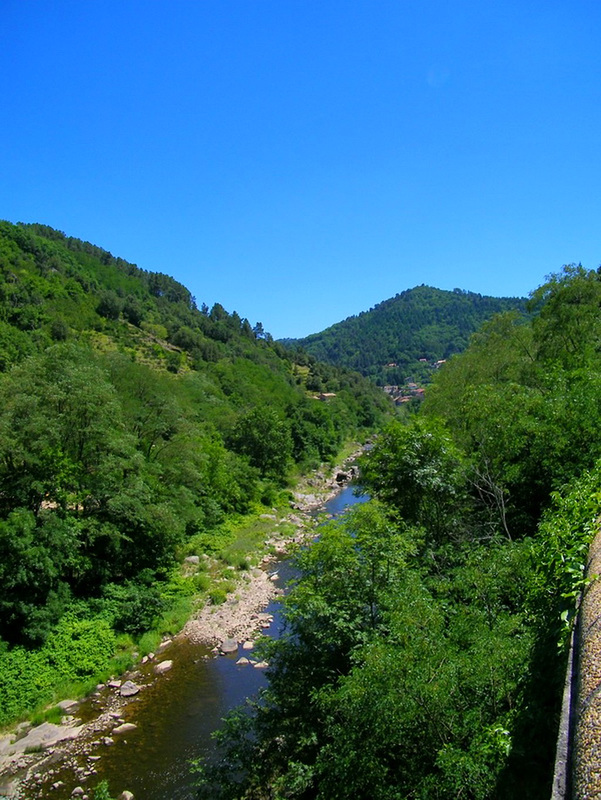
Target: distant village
(409,391)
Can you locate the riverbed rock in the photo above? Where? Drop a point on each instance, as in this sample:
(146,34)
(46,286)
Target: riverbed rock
(242,661)
(114,684)
(44,736)
(126,796)
(261,664)
(79,791)
(68,706)
(129,689)
(229,646)
(162,667)
(126,727)
(248,645)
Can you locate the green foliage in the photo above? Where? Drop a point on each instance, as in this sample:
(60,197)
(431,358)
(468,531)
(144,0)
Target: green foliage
(417,469)
(102,792)
(565,534)
(131,424)
(76,650)
(383,684)
(418,323)
(420,654)
(264,437)
(524,399)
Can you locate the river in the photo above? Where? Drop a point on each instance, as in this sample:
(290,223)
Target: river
(177,714)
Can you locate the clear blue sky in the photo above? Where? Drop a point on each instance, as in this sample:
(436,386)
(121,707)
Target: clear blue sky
(299,161)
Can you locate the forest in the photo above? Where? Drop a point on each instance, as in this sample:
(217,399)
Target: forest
(400,339)
(135,428)
(425,641)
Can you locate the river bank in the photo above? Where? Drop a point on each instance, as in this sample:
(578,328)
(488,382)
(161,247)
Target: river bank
(55,761)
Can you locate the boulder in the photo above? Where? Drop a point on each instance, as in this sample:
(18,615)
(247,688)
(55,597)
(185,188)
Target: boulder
(44,736)
(129,689)
(126,727)
(79,791)
(126,796)
(229,646)
(68,705)
(163,666)
(242,661)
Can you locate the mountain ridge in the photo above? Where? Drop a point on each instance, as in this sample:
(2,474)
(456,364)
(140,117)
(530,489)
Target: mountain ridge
(422,323)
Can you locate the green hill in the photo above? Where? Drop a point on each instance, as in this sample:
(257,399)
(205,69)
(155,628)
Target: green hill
(389,342)
(135,428)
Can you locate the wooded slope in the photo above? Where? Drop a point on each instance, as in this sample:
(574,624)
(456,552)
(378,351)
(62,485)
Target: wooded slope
(420,323)
(131,424)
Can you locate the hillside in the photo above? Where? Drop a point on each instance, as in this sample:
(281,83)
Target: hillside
(387,342)
(135,428)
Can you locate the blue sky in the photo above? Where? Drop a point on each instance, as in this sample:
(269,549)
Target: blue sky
(299,161)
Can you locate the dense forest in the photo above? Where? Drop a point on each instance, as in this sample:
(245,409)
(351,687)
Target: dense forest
(134,429)
(387,342)
(424,649)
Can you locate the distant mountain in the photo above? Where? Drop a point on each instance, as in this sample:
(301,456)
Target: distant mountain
(401,338)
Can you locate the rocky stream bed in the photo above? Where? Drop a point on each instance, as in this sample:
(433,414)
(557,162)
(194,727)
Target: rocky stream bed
(63,760)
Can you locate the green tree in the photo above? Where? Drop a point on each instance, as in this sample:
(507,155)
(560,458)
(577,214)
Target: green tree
(264,436)
(417,469)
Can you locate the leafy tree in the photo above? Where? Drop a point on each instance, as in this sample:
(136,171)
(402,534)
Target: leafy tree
(418,470)
(263,436)
(110,305)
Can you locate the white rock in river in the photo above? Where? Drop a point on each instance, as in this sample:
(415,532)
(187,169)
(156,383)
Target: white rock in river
(129,689)
(163,666)
(229,646)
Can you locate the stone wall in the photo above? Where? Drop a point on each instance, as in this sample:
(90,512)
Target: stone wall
(578,762)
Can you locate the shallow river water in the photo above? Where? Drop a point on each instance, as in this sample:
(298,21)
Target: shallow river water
(177,714)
